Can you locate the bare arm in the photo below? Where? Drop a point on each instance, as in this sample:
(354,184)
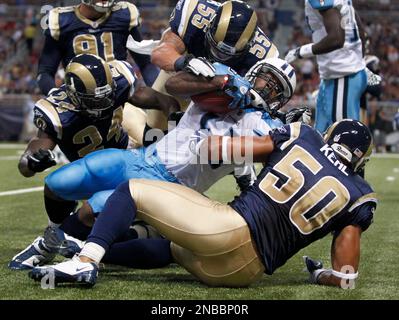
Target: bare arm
(363,33)
(41,141)
(335,38)
(345,255)
(185,84)
(168,51)
(148,98)
(252,149)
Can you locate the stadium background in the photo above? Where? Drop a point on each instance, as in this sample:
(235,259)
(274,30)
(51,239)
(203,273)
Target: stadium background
(22,217)
(21,41)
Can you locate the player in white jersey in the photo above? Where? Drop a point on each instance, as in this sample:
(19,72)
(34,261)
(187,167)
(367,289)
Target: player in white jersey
(175,158)
(338,39)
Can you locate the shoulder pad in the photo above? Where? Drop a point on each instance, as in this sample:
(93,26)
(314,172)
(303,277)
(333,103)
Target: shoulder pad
(370,197)
(134,13)
(321,4)
(54,21)
(182,15)
(47,117)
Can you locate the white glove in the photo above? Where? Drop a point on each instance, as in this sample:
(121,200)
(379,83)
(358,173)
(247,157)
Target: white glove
(372,78)
(201,66)
(142,47)
(304,51)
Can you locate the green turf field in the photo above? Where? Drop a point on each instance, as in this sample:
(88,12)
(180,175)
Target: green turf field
(22,219)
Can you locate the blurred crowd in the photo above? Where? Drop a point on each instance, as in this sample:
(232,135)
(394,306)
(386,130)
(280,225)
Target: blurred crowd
(21,41)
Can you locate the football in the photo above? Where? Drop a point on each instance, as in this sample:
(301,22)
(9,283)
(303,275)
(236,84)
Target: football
(215,101)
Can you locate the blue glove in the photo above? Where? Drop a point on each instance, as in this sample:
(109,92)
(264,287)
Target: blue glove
(236,86)
(221,70)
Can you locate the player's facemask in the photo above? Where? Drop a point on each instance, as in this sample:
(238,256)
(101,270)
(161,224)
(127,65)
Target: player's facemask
(96,106)
(100,6)
(267,93)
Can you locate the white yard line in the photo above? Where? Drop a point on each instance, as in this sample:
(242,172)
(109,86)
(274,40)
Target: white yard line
(12,146)
(9,158)
(385,155)
(20,191)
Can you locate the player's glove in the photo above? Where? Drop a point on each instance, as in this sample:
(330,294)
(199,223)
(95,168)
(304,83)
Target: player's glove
(238,88)
(197,66)
(372,78)
(302,114)
(304,51)
(314,267)
(41,160)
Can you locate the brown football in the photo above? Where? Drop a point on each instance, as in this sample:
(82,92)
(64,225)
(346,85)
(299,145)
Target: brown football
(215,101)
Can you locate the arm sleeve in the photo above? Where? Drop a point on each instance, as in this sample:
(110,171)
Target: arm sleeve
(363,215)
(43,122)
(48,64)
(148,70)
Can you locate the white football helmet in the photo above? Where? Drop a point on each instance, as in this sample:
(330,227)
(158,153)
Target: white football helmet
(100,6)
(278,86)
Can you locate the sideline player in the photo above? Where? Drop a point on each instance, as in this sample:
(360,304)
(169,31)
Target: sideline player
(308,188)
(338,40)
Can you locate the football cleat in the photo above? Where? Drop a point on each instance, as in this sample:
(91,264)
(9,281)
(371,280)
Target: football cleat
(71,271)
(60,242)
(34,255)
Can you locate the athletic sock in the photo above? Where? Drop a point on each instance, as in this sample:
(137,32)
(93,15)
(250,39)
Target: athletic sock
(75,228)
(115,219)
(140,253)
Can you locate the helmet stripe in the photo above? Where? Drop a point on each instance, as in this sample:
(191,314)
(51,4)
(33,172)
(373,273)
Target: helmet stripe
(84,75)
(224,22)
(248,32)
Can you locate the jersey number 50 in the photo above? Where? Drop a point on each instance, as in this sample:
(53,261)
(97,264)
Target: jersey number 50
(328,188)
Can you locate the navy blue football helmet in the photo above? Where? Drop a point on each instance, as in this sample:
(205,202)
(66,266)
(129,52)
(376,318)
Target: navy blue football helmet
(352,142)
(231,32)
(90,86)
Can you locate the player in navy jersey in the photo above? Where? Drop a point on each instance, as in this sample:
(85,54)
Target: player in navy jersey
(79,128)
(96,27)
(308,188)
(202,30)
(82,116)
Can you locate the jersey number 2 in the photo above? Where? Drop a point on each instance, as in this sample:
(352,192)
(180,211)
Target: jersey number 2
(328,186)
(92,133)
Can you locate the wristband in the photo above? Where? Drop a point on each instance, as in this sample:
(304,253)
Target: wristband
(306,51)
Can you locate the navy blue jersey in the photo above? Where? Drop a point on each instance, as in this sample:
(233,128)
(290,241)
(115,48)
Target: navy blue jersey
(78,135)
(188,21)
(302,194)
(70,34)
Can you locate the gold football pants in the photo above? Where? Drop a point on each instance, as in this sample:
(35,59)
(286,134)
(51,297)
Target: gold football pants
(209,239)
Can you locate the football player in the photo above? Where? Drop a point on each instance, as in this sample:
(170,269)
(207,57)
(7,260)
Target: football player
(96,27)
(338,40)
(202,30)
(174,158)
(308,188)
(85,114)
